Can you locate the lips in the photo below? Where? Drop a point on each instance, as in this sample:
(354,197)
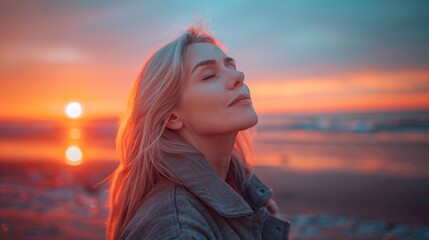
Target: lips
(239,98)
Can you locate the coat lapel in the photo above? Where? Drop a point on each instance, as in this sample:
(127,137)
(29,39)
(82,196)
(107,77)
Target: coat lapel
(202,180)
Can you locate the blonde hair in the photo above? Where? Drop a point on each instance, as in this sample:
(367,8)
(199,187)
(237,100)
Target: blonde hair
(143,140)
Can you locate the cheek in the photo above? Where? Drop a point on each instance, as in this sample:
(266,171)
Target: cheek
(203,109)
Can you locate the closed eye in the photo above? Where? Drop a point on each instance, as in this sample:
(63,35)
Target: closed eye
(211,76)
(230,62)
(232,65)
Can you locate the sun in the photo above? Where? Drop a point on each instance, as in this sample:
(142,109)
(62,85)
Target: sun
(73,109)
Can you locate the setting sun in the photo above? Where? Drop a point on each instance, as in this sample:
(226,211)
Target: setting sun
(73,109)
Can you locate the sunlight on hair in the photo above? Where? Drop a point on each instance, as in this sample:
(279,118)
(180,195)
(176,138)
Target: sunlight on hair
(73,109)
(74,156)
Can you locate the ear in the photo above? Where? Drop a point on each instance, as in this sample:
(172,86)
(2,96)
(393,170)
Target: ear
(174,121)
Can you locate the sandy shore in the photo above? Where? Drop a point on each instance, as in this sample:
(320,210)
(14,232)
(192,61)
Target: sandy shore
(51,201)
(394,199)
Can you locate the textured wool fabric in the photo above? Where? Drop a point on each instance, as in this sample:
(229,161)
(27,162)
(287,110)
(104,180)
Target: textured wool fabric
(205,207)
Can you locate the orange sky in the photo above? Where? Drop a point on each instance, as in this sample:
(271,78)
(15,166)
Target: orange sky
(344,93)
(56,86)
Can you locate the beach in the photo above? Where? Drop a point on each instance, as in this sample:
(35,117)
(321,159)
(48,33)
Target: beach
(338,205)
(51,201)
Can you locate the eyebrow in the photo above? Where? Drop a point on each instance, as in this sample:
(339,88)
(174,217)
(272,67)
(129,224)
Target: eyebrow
(210,61)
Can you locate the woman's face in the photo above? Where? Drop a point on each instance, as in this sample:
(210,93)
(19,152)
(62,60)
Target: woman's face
(213,88)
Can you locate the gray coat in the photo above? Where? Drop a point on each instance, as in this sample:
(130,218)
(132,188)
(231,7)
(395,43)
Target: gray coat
(205,207)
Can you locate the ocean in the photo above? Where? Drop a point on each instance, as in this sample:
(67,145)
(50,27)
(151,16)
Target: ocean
(382,142)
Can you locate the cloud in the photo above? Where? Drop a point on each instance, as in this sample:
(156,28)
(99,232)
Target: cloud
(306,38)
(46,55)
(311,38)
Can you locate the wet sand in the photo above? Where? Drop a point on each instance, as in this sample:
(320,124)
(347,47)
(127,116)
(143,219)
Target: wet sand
(394,199)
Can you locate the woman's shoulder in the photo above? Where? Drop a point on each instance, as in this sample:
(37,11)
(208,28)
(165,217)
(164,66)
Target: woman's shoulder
(165,214)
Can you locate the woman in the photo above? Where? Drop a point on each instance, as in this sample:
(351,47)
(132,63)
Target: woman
(184,150)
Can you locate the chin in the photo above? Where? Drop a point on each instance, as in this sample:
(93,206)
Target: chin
(249,120)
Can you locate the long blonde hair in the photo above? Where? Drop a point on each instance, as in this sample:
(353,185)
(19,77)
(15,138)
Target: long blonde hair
(143,140)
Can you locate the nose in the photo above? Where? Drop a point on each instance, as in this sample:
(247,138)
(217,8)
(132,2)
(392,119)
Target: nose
(236,79)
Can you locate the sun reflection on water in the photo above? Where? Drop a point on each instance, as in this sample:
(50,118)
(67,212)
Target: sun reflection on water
(74,133)
(74,155)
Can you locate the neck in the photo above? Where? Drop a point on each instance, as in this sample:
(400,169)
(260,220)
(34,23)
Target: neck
(217,149)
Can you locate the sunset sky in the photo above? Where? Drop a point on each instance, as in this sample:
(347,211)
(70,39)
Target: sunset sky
(298,56)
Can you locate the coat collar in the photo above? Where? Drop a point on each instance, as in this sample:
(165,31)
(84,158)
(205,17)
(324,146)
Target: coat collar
(202,180)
